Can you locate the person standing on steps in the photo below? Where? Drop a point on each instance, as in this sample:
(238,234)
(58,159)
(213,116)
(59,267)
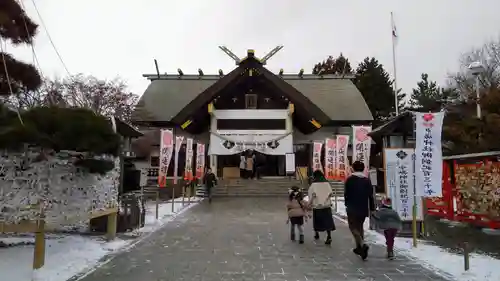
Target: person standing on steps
(254,168)
(359,202)
(296,213)
(249,167)
(209,180)
(243,165)
(320,193)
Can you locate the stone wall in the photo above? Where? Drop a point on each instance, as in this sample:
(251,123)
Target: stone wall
(69,193)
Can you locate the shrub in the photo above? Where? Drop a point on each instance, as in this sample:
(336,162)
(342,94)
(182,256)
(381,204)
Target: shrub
(75,129)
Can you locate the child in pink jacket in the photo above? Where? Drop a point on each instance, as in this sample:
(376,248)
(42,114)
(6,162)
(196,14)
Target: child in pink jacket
(296,208)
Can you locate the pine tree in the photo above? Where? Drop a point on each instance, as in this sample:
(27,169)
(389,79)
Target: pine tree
(429,97)
(375,85)
(331,65)
(16,28)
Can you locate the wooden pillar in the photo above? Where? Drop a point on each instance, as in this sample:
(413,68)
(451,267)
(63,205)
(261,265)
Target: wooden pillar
(310,147)
(39,251)
(213,164)
(111,227)
(288,120)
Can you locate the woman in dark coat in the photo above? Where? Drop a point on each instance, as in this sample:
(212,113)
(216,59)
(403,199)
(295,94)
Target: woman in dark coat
(320,193)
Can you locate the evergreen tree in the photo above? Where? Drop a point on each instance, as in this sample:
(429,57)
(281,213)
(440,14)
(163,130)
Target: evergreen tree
(428,97)
(372,81)
(375,85)
(51,127)
(331,65)
(17,28)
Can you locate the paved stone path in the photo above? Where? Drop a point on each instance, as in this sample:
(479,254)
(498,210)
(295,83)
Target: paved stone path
(247,239)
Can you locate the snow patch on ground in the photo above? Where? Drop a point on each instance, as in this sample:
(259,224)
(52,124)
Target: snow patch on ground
(482,267)
(69,255)
(165,211)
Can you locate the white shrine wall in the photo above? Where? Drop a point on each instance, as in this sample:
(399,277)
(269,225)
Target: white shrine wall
(68,192)
(251,139)
(257,114)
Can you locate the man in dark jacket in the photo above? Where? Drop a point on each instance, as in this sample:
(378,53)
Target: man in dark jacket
(359,202)
(209,180)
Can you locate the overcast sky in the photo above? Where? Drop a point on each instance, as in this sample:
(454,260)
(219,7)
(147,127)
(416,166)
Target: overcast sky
(109,38)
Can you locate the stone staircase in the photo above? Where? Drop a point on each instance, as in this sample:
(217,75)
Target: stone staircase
(338,188)
(266,187)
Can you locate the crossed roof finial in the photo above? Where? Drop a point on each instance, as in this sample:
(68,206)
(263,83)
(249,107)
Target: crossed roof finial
(251,52)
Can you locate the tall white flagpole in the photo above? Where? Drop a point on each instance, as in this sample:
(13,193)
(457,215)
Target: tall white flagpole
(394,38)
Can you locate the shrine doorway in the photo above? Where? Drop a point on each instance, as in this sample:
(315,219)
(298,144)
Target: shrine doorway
(270,165)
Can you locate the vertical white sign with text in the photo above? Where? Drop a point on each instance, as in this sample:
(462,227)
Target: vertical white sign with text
(178,143)
(429,157)
(200,160)
(400,184)
(188,169)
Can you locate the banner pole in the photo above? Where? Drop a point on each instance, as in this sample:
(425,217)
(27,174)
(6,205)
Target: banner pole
(414,221)
(173,198)
(414,159)
(157,203)
(422,224)
(336,198)
(183,193)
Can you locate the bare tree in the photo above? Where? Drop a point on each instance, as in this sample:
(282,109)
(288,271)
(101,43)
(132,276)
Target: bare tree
(47,95)
(27,99)
(104,97)
(489,56)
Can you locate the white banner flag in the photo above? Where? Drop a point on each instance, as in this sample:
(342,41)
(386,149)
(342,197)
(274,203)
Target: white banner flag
(188,169)
(330,159)
(361,145)
(342,161)
(200,160)
(166,149)
(399,182)
(429,157)
(316,165)
(178,143)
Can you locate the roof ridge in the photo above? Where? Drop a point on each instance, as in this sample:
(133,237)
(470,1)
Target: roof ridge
(289,76)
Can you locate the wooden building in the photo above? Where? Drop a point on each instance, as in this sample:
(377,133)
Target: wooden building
(249,108)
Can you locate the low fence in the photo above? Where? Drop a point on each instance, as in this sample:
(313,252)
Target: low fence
(39,227)
(130,215)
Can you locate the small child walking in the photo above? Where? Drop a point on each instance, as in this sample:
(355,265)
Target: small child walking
(388,220)
(296,209)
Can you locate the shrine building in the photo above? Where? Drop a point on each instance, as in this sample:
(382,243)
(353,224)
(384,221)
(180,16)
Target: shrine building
(249,109)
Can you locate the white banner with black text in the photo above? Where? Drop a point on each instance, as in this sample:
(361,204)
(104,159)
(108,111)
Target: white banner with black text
(399,182)
(429,157)
(178,143)
(233,142)
(188,169)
